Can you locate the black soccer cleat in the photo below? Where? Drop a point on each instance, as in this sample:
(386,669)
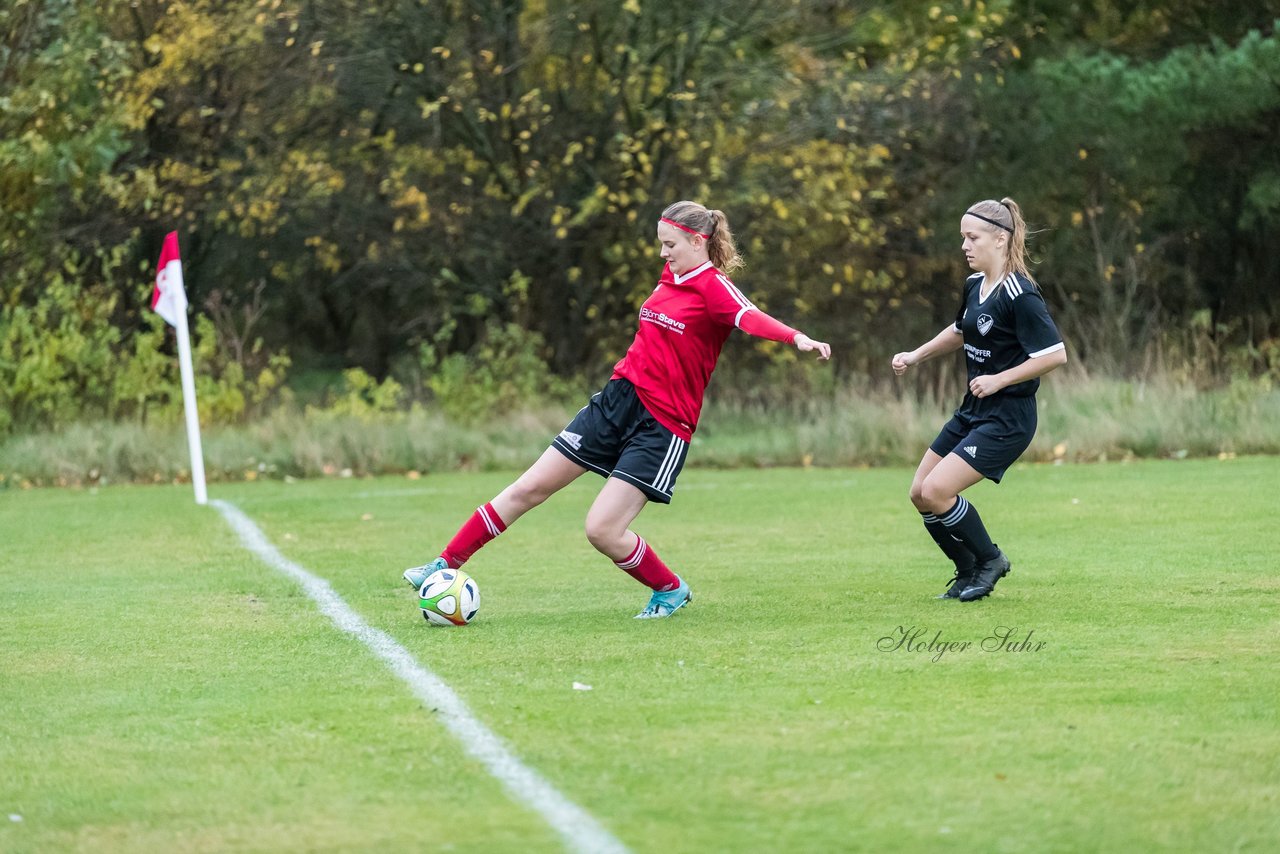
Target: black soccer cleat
(984,580)
(963,578)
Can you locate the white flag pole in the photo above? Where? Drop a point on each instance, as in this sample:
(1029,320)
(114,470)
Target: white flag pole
(192,412)
(170,301)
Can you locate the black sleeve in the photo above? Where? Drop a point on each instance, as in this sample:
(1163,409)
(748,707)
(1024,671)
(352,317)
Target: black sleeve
(1036,330)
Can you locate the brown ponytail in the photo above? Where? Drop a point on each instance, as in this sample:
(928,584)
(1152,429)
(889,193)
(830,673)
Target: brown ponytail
(720,246)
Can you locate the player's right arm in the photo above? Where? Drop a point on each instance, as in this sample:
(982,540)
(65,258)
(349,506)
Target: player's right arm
(948,340)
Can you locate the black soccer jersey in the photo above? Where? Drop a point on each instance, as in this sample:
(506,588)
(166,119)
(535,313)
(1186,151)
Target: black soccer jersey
(1002,331)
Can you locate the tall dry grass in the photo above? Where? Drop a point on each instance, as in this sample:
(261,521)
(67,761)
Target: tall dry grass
(1082,419)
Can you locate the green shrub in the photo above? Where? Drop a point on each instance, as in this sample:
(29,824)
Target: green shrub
(59,352)
(363,398)
(505,372)
(65,359)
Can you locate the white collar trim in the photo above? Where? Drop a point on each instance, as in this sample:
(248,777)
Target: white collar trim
(680,280)
(982,284)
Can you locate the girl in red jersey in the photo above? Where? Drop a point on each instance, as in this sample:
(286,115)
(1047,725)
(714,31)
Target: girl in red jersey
(635,432)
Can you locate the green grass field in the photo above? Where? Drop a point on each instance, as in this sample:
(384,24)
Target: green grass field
(162,689)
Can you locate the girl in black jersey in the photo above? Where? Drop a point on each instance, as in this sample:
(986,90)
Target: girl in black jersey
(1010,341)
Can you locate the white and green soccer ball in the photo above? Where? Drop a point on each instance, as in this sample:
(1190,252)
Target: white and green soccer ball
(449,597)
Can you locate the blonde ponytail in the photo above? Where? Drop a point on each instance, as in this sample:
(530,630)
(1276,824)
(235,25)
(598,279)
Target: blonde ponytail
(1007,216)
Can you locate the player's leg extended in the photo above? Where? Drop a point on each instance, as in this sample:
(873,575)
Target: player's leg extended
(964,561)
(608,529)
(551,473)
(940,494)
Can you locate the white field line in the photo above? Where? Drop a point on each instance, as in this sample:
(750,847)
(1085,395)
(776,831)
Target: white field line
(579,830)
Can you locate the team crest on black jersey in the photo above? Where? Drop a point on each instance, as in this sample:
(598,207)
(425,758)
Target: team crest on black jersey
(985,322)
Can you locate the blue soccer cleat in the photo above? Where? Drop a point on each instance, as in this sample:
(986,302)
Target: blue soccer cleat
(418,574)
(665,604)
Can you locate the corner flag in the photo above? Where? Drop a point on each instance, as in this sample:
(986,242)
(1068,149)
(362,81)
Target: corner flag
(170,298)
(170,301)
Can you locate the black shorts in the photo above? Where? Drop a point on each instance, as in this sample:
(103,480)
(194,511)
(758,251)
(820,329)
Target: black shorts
(615,436)
(992,442)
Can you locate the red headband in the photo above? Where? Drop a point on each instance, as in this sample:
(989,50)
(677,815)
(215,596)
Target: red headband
(683,227)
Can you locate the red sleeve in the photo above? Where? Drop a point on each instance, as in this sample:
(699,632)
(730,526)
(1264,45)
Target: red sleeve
(730,306)
(756,322)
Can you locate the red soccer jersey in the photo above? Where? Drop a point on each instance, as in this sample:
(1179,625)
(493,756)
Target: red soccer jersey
(683,326)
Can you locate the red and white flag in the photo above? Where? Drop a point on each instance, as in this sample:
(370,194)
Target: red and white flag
(170,302)
(170,298)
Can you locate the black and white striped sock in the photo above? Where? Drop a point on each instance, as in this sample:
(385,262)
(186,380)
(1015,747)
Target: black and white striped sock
(950,544)
(963,521)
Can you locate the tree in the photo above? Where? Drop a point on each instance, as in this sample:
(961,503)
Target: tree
(1155,178)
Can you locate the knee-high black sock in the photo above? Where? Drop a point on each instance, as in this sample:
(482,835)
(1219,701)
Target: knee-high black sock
(963,521)
(950,544)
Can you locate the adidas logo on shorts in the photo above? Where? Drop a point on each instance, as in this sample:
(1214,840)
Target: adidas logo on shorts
(971,450)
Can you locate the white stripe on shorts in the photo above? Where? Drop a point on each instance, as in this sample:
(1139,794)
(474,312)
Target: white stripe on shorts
(675,451)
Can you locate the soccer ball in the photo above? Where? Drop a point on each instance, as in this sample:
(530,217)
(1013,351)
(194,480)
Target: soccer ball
(449,597)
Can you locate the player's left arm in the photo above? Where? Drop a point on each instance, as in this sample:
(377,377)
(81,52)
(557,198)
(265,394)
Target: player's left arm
(756,322)
(989,384)
(1039,338)
(805,344)
(730,305)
